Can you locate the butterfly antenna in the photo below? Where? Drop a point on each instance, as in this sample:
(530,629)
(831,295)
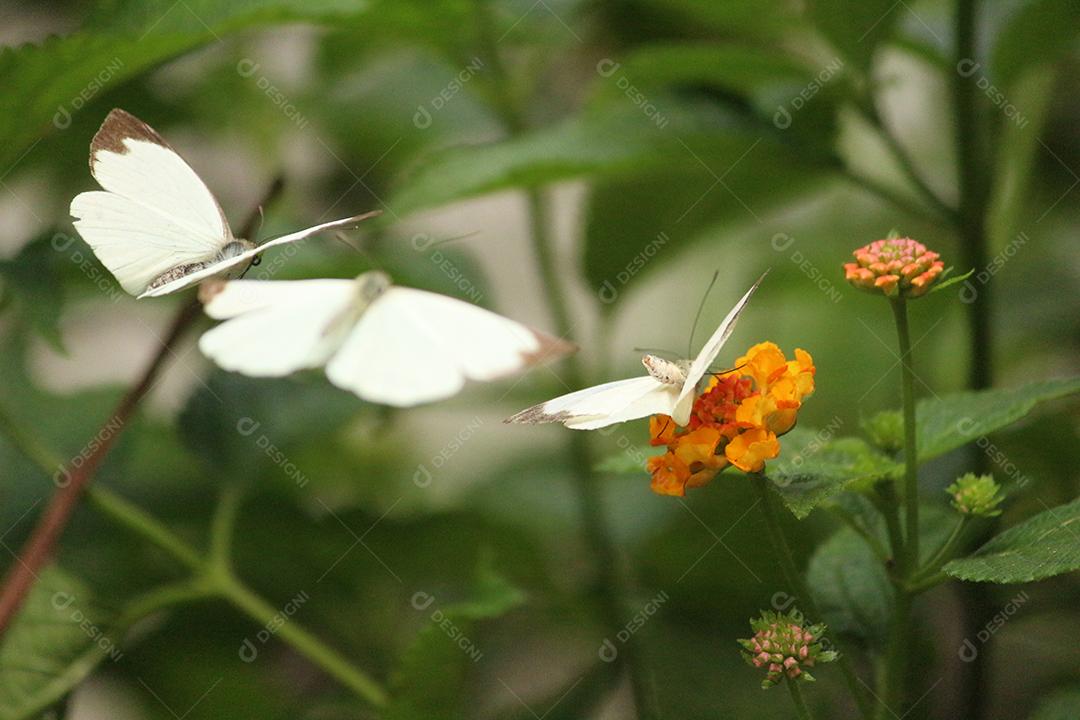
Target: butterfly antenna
(725,372)
(454,239)
(701,306)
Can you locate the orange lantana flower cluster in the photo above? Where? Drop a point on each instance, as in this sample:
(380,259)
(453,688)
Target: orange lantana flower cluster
(736,420)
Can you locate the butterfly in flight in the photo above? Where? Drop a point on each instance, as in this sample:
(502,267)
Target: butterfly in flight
(155,225)
(669,389)
(387,344)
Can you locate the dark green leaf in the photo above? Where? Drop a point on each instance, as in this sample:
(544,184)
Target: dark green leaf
(428,682)
(850,587)
(812,468)
(33,278)
(44,85)
(1063,704)
(1041,547)
(61,634)
(954,420)
(1039,31)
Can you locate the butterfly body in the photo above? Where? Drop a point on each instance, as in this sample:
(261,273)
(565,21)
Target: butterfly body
(231,250)
(669,372)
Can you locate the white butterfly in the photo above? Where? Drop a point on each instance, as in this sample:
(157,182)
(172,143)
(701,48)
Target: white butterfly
(669,389)
(156,226)
(388,344)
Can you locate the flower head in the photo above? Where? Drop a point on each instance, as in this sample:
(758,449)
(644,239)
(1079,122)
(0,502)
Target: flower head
(976,495)
(895,267)
(735,421)
(785,647)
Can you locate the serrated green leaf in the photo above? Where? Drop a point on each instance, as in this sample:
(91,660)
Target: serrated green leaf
(1041,547)
(812,468)
(59,636)
(954,420)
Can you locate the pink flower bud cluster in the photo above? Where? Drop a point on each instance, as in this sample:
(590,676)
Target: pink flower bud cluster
(784,648)
(894,266)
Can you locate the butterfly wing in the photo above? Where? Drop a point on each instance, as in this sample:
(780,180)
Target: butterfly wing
(154,212)
(248,255)
(412,347)
(708,354)
(604,405)
(274,328)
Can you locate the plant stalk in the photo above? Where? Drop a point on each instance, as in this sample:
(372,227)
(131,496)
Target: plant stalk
(801,711)
(911,458)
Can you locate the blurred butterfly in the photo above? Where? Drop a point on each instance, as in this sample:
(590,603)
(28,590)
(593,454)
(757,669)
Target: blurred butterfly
(669,389)
(387,344)
(156,226)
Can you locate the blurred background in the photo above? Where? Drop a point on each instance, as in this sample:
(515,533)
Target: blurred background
(592,163)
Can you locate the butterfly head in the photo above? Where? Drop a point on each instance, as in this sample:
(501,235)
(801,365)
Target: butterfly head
(666,371)
(370,285)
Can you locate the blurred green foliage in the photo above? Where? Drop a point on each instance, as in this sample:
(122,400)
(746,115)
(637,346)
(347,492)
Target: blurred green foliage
(746,135)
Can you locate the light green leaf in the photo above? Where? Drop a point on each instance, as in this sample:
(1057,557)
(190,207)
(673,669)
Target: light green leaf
(61,634)
(954,420)
(1041,547)
(951,281)
(812,468)
(628,461)
(856,29)
(45,84)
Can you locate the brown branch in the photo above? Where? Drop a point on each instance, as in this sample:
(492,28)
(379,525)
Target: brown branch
(38,549)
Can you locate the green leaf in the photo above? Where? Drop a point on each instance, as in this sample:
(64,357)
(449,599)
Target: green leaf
(433,669)
(954,420)
(813,468)
(856,29)
(61,634)
(628,461)
(850,587)
(951,281)
(32,276)
(46,84)
(1041,547)
(1040,31)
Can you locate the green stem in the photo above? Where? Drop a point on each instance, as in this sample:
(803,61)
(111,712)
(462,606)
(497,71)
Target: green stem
(971,167)
(210,577)
(944,553)
(888,505)
(146,526)
(896,659)
(795,582)
(221,527)
(911,458)
(923,584)
(801,711)
(265,614)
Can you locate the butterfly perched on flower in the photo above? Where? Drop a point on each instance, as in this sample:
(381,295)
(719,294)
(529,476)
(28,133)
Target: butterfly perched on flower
(669,389)
(155,225)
